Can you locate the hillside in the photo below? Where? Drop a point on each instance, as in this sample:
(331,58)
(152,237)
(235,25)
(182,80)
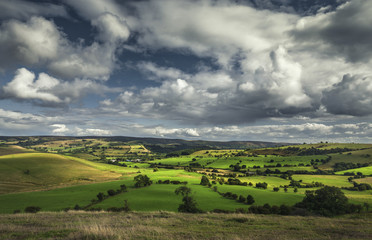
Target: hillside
(30,171)
(5,150)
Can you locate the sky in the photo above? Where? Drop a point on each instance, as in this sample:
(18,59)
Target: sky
(256,70)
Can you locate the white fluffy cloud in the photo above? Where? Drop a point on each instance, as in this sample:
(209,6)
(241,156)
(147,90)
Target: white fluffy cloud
(48,91)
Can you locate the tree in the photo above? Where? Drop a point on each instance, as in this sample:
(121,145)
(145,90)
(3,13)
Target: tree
(100,196)
(126,206)
(276,189)
(327,201)
(295,190)
(142,181)
(189,205)
(204,181)
(123,188)
(250,199)
(242,199)
(184,191)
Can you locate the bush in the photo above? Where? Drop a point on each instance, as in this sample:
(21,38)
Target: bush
(204,181)
(261,185)
(250,199)
(111,192)
(32,209)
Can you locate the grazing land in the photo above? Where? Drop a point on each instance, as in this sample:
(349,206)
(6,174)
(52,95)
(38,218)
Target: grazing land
(99,174)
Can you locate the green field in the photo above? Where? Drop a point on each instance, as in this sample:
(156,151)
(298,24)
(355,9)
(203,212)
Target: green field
(58,181)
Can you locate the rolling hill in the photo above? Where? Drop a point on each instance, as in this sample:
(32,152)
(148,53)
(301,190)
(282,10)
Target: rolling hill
(32,171)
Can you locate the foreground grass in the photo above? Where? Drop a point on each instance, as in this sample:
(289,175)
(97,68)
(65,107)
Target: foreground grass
(166,225)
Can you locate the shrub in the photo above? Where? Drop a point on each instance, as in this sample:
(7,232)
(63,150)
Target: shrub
(204,181)
(111,192)
(32,209)
(250,199)
(327,201)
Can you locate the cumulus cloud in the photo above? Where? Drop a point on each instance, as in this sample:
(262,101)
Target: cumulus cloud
(92,132)
(308,132)
(351,96)
(219,96)
(111,28)
(49,91)
(157,73)
(217,29)
(60,128)
(33,42)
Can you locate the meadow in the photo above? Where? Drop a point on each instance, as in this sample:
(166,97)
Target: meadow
(168,225)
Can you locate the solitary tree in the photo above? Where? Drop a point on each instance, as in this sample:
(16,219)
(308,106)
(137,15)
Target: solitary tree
(126,206)
(184,191)
(204,181)
(142,181)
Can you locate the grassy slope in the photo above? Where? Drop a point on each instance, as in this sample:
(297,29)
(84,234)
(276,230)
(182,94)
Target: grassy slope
(46,170)
(163,225)
(5,150)
(358,156)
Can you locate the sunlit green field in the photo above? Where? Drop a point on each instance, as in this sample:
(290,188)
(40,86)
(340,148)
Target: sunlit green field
(55,182)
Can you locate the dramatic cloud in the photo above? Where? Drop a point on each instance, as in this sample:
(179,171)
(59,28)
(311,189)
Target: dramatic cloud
(272,69)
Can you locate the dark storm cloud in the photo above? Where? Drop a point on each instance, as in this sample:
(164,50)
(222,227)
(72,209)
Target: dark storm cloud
(346,32)
(352,96)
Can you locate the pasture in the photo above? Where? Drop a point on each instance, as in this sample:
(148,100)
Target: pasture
(167,225)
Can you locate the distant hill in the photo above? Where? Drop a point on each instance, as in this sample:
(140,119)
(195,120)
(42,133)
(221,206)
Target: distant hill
(160,145)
